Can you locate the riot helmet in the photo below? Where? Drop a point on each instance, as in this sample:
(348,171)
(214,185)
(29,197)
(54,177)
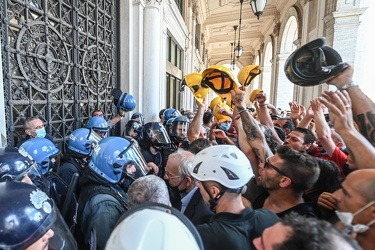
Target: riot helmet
(18,165)
(313,63)
(168,126)
(99,125)
(155,134)
(28,216)
(44,152)
(82,141)
(123,100)
(133,128)
(193,81)
(180,127)
(138,115)
(170,113)
(112,154)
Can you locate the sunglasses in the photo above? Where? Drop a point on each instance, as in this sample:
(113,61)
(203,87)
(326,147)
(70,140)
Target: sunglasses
(268,165)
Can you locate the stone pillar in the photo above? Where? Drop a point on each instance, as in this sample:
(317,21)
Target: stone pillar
(152,74)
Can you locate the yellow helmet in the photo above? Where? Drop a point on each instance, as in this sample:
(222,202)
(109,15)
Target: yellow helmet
(220,79)
(247,74)
(215,101)
(229,102)
(193,81)
(254,93)
(221,117)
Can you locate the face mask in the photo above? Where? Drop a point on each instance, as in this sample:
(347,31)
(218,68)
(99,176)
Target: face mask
(40,133)
(224,126)
(346,218)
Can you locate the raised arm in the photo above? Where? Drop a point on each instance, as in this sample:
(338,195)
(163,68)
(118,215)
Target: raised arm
(340,114)
(196,123)
(243,144)
(323,131)
(264,115)
(363,108)
(254,135)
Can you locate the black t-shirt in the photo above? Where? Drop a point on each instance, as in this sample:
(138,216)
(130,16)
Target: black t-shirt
(257,196)
(304,209)
(236,231)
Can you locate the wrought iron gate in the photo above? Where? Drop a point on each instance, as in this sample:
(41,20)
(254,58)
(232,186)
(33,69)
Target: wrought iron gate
(59,61)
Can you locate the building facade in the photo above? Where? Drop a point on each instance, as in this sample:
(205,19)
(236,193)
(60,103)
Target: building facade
(61,59)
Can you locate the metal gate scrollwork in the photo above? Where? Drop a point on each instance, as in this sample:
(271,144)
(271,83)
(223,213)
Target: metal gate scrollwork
(59,60)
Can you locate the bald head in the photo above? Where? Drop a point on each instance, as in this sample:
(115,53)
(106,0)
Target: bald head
(364,180)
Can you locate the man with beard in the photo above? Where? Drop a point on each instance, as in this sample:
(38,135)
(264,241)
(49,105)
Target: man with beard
(285,176)
(281,179)
(184,189)
(222,172)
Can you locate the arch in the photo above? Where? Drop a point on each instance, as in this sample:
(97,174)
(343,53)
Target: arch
(267,67)
(290,34)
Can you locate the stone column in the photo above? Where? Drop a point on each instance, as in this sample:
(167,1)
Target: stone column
(152,74)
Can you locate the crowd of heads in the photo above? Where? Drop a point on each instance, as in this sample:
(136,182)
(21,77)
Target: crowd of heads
(275,169)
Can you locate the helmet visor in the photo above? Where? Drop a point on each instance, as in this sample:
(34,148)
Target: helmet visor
(93,138)
(136,165)
(159,136)
(62,237)
(54,161)
(180,129)
(32,174)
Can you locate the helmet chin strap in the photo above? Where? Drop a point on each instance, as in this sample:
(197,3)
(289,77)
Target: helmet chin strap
(213,200)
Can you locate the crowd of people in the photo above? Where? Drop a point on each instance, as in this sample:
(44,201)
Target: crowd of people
(222,176)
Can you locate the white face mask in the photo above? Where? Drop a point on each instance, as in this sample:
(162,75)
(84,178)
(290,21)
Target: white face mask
(346,218)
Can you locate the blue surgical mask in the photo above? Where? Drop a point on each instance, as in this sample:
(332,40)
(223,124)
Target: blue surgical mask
(41,133)
(224,126)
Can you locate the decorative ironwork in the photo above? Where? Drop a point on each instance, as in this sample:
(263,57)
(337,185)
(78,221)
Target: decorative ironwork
(59,62)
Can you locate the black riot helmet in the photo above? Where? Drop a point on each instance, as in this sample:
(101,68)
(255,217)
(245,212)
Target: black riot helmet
(133,126)
(313,63)
(13,164)
(26,215)
(155,134)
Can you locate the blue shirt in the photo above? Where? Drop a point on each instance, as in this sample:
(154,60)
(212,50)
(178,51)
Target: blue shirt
(185,201)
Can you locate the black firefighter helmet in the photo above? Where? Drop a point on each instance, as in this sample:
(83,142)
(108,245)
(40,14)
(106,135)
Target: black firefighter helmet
(313,63)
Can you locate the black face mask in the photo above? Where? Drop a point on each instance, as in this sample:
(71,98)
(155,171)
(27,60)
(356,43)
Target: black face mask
(176,190)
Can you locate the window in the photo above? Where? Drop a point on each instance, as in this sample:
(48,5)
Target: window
(179,4)
(173,94)
(174,53)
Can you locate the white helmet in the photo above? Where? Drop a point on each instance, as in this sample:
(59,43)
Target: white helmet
(154,228)
(225,164)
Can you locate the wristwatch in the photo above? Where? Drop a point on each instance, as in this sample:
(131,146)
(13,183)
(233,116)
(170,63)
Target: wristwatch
(349,85)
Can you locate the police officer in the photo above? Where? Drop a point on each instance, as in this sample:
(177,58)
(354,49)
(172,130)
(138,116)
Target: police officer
(30,220)
(102,200)
(80,144)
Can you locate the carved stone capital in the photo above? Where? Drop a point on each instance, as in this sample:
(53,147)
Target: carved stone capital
(153,2)
(276,29)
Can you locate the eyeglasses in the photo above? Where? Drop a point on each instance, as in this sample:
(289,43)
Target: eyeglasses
(267,164)
(168,175)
